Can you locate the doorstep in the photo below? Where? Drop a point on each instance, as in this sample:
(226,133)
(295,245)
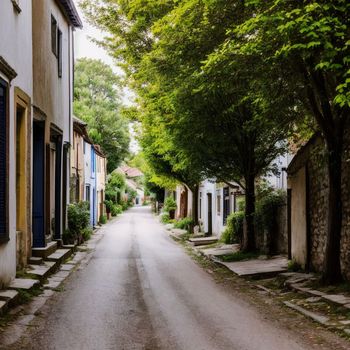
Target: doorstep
(203,240)
(23,283)
(45,251)
(60,255)
(41,272)
(257,268)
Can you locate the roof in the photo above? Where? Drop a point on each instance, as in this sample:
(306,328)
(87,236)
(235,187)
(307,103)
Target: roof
(71,12)
(98,150)
(130,172)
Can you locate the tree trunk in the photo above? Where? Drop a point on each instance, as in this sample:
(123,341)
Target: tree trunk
(332,270)
(195,191)
(249,231)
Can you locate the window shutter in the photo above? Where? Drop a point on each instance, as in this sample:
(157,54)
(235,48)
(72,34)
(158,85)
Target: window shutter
(3,161)
(59,46)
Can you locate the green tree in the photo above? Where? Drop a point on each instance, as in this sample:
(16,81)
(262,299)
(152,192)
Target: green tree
(196,120)
(309,42)
(97,102)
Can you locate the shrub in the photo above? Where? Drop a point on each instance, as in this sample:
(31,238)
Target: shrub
(165,217)
(103,219)
(86,233)
(109,206)
(78,221)
(116,209)
(234,229)
(169,204)
(294,266)
(184,223)
(266,209)
(125,205)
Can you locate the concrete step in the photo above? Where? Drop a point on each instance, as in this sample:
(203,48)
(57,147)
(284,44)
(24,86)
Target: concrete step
(23,283)
(60,255)
(45,251)
(8,296)
(3,307)
(203,240)
(73,247)
(35,261)
(41,272)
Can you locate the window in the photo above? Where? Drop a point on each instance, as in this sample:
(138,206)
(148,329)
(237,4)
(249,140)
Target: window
(87,193)
(218,201)
(59,49)
(3,161)
(54,36)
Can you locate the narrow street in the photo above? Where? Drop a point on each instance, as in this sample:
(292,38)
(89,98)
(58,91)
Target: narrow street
(140,290)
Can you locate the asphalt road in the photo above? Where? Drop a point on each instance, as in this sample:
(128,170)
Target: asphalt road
(141,290)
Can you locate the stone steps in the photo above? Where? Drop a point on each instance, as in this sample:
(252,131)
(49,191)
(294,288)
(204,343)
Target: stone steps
(8,298)
(23,283)
(60,255)
(44,270)
(44,252)
(203,240)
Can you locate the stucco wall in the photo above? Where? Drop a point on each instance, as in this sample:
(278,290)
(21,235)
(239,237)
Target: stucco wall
(52,93)
(298,217)
(16,49)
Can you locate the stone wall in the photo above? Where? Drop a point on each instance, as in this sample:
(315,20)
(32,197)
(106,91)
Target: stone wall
(345,242)
(316,166)
(317,205)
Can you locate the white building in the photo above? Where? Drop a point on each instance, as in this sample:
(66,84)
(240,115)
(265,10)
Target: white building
(16,92)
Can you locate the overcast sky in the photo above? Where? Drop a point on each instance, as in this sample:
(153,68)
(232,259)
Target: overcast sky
(85,47)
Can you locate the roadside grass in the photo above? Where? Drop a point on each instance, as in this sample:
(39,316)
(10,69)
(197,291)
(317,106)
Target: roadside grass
(25,296)
(238,256)
(25,274)
(263,300)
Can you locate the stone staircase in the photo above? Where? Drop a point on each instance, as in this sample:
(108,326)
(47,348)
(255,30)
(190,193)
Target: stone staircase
(43,263)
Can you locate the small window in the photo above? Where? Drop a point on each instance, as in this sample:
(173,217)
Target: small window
(218,205)
(59,48)
(54,36)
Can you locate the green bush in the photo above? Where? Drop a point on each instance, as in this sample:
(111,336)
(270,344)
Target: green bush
(125,205)
(294,266)
(234,229)
(86,233)
(165,218)
(103,219)
(267,209)
(169,204)
(184,223)
(116,209)
(78,221)
(109,206)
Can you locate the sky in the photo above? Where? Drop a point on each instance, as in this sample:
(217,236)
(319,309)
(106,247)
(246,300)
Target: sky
(85,47)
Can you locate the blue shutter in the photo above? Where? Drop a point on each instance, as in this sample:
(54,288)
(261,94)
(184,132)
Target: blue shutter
(3,161)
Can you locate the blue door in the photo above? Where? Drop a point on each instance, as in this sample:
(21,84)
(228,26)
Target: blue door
(58,187)
(38,185)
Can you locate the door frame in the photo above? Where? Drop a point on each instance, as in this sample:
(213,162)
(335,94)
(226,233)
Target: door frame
(23,221)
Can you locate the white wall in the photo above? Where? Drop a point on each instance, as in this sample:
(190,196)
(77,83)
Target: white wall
(279,181)
(16,49)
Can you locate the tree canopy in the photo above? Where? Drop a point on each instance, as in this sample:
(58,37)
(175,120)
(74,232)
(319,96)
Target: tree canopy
(97,102)
(222,84)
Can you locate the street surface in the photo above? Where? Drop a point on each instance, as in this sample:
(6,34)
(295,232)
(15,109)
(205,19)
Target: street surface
(141,290)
